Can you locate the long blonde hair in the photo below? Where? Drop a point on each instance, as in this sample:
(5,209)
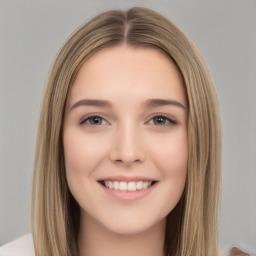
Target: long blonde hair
(192,227)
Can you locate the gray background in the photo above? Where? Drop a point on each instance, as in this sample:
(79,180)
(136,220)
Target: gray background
(31,32)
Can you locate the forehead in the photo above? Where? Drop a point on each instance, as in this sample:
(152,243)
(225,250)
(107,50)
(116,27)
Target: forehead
(127,72)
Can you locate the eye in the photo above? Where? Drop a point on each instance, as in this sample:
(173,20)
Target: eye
(162,121)
(94,121)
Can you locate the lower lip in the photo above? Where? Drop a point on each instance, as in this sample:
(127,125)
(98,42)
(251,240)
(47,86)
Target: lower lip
(129,195)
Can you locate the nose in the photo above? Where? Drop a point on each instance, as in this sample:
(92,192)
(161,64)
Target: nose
(127,147)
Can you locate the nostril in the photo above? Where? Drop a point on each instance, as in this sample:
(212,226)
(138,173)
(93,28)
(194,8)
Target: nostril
(126,153)
(127,161)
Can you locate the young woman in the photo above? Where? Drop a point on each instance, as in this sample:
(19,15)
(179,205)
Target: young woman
(128,102)
(128,154)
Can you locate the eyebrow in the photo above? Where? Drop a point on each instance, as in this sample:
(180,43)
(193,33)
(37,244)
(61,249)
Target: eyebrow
(150,103)
(89,102)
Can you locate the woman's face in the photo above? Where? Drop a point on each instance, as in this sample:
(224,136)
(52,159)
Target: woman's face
(125,139)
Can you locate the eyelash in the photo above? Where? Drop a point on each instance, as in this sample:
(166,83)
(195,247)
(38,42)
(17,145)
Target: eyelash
(88,118)
(167,120)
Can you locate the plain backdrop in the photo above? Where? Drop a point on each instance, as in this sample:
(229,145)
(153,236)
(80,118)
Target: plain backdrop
(31,33)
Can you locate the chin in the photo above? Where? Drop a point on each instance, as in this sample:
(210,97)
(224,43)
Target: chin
(133,226)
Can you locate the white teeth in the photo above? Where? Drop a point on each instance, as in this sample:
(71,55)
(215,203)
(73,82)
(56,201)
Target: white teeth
(110,184)
(140,185)
(116,185)
(145,184)
(131,186)
(123,186)
(128,186)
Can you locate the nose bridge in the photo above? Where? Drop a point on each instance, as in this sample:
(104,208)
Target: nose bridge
(127,146)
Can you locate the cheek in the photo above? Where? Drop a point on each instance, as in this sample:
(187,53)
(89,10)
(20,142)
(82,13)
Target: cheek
(170,158)
(171,155)
(82,154)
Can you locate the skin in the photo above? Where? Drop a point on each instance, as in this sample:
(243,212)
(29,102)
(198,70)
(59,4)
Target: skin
(131,138)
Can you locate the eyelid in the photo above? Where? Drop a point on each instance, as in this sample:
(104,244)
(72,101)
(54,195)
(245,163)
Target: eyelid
(84,118)
(169,118)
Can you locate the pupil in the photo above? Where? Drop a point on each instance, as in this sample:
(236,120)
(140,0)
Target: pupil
(159,120)
(96,120)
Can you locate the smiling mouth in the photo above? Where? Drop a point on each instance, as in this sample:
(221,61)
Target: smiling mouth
(127,186)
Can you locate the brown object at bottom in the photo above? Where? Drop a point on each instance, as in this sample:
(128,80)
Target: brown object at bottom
(235,251)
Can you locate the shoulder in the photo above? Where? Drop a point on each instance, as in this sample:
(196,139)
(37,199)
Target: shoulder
(22,246)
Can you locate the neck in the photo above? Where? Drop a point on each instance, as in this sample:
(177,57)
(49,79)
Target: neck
(95,239)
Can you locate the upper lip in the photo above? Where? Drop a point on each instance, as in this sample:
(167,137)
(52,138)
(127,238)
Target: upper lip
(126,178)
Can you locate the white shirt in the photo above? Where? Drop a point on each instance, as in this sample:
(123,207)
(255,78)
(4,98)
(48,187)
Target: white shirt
(22,246)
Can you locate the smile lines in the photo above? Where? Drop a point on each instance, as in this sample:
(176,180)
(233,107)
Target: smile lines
(127,186)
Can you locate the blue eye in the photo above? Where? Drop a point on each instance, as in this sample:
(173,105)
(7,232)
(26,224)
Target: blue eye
(162,120)
(94,121)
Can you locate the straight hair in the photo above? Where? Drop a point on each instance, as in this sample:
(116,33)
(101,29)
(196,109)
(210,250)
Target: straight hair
(192,226)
